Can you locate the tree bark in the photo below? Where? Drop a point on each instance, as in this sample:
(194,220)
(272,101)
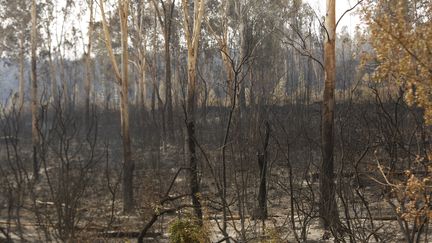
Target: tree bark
(191,106)
(65,83)
(328,207)
(244,51)
(192,39)
(128,166)
(142,79)
(53,76)
(34,92)
(87,85)
(261,212)
(52,71)
(166,24)
(122,81)
(222,41)
(168,85)
(21,72)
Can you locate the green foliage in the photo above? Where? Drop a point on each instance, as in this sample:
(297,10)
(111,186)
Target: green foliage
(187,230)
(272,236)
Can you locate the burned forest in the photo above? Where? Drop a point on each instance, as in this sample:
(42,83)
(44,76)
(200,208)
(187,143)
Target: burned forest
(198,121)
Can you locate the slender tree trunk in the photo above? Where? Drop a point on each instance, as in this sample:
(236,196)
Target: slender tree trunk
(161,107)
(243,52)
(53,78)
(166,23)
(309,72)
(191,106)
(155,87)
(21,72)
(34,92)
(328,206)
(224,50)
(141,45)
(231,101)
(158,118)
(142,83)
(230,73)
(52,72)
(192,39)
(124,110)
(262,162)
(122,81)
(287,75)
(153,102)
(87,85)
(168,84)
(65,91)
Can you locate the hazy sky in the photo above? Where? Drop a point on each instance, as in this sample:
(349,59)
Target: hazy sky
(351,20)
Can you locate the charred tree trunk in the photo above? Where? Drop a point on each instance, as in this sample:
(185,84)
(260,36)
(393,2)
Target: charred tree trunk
(328,206)
(191,106)
(65,83)
(122,81)
(34,92)
(53,77)
(168,84)
(142,83)
(87,85)
(128,166)
(261,212)
(243,52)
(166,24)
(21,72)
(192,38)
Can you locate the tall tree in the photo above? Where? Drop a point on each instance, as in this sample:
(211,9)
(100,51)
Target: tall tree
(15,36)
(165,17)
(122,81)
(34,91)
(21,68)
(192,35)
(52,66)
(124,110)
(63,44)
(87,56)
(328,206)
(139,42)
(246,46)
(222,41)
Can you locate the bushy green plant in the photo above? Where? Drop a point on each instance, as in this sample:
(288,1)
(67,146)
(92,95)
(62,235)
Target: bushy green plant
(187,230)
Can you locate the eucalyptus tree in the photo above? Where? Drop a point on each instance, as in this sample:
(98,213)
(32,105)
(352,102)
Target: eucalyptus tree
(87,55)
(217,23)
(16,16)
(192,29)
(139,41)
(122,82)
(34,90)
(245,34)
(50,50)
(328,206)
(165,14)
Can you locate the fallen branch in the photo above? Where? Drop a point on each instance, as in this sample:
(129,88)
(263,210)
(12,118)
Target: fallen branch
(155,216)
(126,234)
(160,212)
(6,234)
